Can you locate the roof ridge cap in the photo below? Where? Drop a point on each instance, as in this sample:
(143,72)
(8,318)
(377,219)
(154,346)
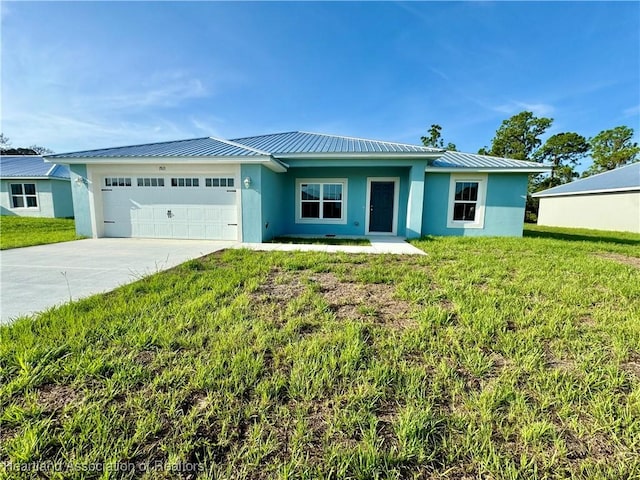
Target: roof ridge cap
(240,145)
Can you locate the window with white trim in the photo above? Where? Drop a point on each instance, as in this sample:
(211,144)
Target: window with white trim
(117,182)
(466,201)
(185,182)
(321,200)
(23,195)
(150,182)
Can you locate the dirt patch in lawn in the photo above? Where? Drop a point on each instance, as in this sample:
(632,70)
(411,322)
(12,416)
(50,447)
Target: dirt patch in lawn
(373,301)
(623,259)
(53,397)
(347,300)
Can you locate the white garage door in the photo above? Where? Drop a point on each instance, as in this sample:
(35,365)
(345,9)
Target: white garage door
(186,206)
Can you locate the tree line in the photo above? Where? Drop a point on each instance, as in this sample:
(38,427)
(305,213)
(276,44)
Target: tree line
(519,137)
(7,149)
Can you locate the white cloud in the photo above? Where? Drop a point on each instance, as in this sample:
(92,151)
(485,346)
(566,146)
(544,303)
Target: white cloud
(63,133)
(513,107)
(631,111)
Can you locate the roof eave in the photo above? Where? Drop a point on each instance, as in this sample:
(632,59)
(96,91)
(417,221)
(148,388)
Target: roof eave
(587,192)
(488,169)
(268,161)
(356,155)
(33,177)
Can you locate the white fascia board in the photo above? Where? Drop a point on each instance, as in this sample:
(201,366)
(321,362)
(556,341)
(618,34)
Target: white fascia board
(487,169)
(167,160)
(269,162)
(586,192)
(34,178)
(358,155)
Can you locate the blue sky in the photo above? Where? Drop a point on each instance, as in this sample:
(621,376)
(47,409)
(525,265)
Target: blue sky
(90,75)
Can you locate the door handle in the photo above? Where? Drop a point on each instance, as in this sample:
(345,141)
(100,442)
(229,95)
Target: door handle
(169,214)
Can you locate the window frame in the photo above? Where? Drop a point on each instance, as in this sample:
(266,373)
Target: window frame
(481,180)
(24,196)
(322,181)
(191,180)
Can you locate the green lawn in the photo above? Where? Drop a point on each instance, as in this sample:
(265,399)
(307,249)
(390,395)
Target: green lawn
(486,358)
(18,232)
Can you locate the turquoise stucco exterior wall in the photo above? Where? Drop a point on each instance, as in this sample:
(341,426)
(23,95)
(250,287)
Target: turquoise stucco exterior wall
(269,205)
(356,199)
(251,203)
(273,184)
(62,198)
(504,208)
(81,202)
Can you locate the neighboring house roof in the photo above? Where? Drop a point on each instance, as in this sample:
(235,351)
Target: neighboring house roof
(621,179)
(305,142)
(30,166)
(289,145)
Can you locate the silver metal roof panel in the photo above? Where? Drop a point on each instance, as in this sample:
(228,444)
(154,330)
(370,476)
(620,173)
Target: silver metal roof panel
(30,166)
(281,144)
(471,160)
(625,178)
(196,147)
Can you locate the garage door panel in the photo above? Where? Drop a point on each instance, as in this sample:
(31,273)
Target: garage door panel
(195,212)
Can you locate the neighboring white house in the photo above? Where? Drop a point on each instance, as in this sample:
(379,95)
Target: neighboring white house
(606,201)
(29,187)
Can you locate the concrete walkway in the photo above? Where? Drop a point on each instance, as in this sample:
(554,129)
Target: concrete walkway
(381,244)
(36,278)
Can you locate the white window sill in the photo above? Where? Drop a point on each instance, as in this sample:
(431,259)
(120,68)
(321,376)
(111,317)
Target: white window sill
(464,225)
(322,221)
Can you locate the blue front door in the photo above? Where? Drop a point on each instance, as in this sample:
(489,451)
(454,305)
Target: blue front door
(381,207)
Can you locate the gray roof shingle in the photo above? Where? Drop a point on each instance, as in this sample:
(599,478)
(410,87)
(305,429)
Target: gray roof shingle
(30,166)
(620,179)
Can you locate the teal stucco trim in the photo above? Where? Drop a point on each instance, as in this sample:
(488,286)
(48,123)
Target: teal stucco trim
(415,201)
(81,200)
(272,220)
(504,206)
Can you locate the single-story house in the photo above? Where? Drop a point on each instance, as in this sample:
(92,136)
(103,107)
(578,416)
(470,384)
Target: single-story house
(252,189)
(31,187)
(606,201)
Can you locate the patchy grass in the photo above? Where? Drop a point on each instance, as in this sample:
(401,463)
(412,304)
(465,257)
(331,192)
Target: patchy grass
(487,358)
(582,234)
(18,232)
(322,241)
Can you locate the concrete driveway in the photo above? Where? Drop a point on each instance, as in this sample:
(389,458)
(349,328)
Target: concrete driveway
(36,278)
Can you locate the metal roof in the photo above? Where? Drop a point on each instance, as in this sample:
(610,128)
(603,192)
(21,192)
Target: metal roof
(280,144)
(30,166)
(471,160)
(620,179)
(300,144)
(196,147)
